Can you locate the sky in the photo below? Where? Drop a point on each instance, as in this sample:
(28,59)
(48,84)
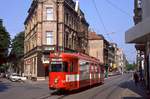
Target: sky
(117,18)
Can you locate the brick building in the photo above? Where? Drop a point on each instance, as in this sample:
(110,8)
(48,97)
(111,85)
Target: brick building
(51,25)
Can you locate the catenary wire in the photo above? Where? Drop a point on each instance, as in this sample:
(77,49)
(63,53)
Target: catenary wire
(101,19)
(118,8)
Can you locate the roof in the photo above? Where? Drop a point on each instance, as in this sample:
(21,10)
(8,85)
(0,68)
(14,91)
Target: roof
(94,36)
(77,55)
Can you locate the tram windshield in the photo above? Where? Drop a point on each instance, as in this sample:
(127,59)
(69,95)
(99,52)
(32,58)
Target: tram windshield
(59,67)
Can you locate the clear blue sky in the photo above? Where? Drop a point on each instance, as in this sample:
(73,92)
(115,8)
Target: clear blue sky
(14,12)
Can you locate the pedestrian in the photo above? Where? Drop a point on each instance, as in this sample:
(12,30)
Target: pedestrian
(136,78)
(141,75)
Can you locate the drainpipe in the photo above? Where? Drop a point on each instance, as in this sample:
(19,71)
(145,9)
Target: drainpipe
(147,63)
(57,28)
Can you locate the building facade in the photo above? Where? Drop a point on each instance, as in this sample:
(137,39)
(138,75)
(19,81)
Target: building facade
(52,25)
(120,60)
(112,55)
(98,47)
(108,53)
(117,59)
(140,34)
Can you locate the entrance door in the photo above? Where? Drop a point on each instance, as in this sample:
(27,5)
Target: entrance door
(46,71)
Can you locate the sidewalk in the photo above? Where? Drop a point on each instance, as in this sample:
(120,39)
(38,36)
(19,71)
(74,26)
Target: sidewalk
(132,91)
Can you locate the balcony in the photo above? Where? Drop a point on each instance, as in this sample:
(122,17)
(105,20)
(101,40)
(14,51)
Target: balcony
(139,33)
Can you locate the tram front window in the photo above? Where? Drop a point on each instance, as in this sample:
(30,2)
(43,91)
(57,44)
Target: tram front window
(59,67)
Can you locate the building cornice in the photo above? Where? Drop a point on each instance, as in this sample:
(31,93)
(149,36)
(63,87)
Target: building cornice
(31,10)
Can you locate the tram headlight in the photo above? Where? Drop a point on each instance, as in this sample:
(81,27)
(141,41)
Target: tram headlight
(56,80)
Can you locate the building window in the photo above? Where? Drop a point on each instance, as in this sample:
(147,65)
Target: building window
(67,18)
(49,38)
(49,13)
(67,40)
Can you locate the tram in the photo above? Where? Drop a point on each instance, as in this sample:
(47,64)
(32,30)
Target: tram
(71,71)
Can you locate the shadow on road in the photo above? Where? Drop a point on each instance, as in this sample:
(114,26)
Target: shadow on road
(138,89)
(61,92)
(4,86)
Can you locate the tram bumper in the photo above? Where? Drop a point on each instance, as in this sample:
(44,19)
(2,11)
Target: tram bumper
(58,85)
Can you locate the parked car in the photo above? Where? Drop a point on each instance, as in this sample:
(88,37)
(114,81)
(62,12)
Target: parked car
(16,77)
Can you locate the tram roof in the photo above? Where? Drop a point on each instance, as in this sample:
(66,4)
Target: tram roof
(81,56)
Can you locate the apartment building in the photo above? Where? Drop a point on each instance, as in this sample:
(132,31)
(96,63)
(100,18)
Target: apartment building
(98,47)
(52,25)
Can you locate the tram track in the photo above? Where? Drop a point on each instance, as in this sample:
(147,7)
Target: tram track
(99,90)
(51,96)
(115,88)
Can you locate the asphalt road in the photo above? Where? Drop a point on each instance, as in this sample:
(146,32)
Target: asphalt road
(16,90)
(116,87)
(112,89)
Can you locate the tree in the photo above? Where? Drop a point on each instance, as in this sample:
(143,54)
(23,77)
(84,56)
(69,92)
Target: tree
(4,44)
(131,66)
(18,45)
(17,50)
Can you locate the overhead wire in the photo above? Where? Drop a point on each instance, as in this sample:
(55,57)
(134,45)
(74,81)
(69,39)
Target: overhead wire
(118,8)
(101,19)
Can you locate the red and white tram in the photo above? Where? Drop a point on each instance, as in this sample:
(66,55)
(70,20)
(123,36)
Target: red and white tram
(70,71)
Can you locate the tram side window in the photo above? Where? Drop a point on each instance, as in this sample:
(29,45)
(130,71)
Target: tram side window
(84,69)
(92,67)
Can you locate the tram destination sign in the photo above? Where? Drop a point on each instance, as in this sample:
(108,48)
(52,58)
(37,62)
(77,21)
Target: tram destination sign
(56,59)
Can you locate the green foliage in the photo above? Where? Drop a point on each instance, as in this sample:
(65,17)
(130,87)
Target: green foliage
(17,51)
(17,47)
(4,44)
(131,67)
(4,67)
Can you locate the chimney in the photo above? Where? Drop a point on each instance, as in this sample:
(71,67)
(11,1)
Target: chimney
(77,6)
(1,22)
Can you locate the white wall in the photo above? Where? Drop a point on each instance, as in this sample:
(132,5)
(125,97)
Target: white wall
(146,9)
